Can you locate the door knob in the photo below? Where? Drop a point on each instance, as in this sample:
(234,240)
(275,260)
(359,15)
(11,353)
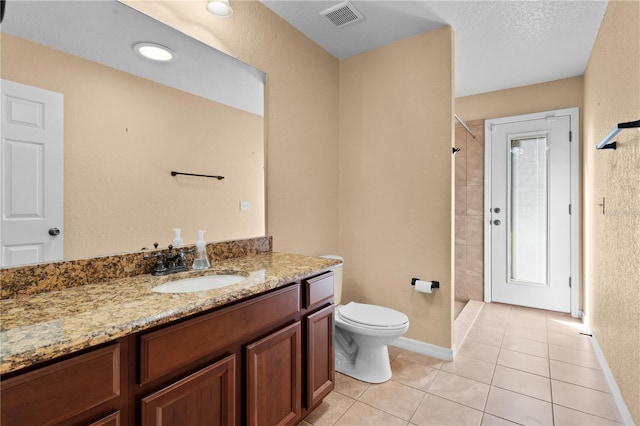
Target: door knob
(54,231)
(497,222)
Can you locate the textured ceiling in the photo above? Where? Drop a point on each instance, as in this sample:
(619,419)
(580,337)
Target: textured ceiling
(498,44)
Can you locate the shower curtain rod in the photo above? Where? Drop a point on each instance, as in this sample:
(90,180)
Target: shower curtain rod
(465,126)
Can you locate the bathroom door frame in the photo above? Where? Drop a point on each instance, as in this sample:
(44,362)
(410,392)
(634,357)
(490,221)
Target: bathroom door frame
(574,199)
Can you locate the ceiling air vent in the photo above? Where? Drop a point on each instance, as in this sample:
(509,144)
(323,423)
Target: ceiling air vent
(342,14)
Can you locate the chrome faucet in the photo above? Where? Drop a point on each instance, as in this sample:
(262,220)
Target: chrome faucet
(169,262)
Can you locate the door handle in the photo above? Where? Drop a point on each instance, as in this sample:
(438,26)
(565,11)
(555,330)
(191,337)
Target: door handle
(497,222)
(54,231)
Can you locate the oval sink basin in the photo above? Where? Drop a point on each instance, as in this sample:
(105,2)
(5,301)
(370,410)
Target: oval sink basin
(189,285)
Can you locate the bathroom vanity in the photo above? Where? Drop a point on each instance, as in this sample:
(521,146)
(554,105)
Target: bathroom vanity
(258,352)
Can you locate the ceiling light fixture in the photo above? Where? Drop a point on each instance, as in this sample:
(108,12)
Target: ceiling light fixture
(155,52)
(219,8)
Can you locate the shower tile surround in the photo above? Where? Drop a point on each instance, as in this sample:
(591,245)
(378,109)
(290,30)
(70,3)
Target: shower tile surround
(34,279)
(469,210)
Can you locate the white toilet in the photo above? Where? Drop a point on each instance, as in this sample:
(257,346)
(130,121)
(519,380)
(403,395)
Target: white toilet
(362,333)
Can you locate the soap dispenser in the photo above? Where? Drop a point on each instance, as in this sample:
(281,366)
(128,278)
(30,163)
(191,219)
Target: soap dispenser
(177,240)
(201,260)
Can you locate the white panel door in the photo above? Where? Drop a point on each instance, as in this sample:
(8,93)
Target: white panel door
(31,179)
(530,213)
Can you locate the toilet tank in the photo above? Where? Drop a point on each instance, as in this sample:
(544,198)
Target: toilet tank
(337,277)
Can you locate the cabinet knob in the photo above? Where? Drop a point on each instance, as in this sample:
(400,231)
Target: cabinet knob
(54,232)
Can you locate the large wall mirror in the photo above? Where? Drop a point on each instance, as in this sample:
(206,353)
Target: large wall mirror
(128,122)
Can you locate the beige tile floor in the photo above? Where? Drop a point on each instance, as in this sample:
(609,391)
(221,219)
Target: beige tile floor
(516,366)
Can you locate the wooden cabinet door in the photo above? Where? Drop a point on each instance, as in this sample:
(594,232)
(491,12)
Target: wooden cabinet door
(320,357)
(206,397)
(111,420)
(274,378)
(69,391)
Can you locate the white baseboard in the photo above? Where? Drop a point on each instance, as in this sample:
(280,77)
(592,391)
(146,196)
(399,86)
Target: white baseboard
(625,414)
(445,354)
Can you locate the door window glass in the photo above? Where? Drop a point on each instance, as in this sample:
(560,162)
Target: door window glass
(528,216)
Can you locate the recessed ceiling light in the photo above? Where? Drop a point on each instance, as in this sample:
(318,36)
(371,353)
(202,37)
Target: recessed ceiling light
(155,52)
(219,8)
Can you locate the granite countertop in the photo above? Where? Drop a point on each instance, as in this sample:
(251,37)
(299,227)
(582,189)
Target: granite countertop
(45,326)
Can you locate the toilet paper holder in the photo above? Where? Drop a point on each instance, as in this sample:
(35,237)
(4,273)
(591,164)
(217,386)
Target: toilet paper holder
(434,284)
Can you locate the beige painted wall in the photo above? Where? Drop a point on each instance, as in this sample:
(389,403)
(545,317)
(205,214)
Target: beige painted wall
(302,156)
(123,135)
(396,186)
(565,93)
(612,262)
(301,114)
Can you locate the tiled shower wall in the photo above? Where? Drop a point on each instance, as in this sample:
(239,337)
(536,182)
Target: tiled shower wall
(469,232)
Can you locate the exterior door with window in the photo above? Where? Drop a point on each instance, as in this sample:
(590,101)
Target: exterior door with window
(530,213)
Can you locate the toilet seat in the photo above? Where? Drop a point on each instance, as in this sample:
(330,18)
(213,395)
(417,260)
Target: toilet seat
(372,316)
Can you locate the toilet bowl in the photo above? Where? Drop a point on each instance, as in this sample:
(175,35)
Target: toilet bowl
(361,335)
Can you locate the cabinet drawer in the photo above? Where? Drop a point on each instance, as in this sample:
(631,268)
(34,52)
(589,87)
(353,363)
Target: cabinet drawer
(60,391)
(318,289)
(167,349)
